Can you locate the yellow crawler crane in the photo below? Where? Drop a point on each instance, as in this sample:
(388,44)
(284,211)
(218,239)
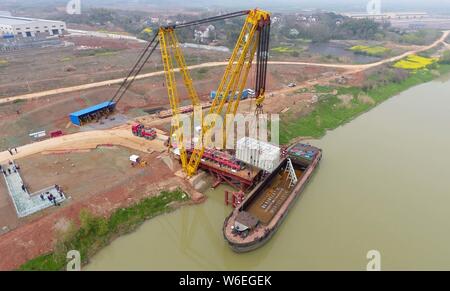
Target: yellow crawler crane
(170,47)
(253,40)
(254,36)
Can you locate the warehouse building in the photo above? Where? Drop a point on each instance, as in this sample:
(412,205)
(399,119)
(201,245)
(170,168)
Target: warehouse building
(29,27)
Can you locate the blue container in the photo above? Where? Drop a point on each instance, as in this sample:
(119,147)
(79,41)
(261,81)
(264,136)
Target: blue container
(75,117)
(244,96)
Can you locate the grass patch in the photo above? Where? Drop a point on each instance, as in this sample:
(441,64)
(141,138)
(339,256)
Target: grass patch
(375,51)
(96,232)
(3,63)
(200,73)
(328,114)
(295,52)
(323,89)
(103,54)
(414,62)
(97,52)
(283,49)
(112,32)
(66,59)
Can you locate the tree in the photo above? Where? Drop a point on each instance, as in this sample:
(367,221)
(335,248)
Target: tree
(445,58)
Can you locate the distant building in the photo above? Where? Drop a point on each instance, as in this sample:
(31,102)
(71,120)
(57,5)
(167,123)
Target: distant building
(275,19)
(389,16)
(205,35)
(30,27)
(293,32)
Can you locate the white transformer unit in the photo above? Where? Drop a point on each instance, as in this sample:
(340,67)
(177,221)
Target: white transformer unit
(260,154)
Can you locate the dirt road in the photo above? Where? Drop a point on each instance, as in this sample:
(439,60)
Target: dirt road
(216,64)
(87,140)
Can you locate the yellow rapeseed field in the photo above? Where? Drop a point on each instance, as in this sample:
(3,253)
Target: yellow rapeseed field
(414,62)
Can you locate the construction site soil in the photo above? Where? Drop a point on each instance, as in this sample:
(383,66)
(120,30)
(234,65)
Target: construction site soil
(101,179)
(116,185)
(84,60)
(19,118)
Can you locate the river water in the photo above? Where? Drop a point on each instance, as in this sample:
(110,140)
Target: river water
(383,184)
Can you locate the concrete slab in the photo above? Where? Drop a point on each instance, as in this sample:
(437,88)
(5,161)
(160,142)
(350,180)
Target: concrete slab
(113,121)
(24,202)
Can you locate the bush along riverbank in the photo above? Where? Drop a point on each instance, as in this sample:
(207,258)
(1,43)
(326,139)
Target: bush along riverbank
(96,232)
(338,105)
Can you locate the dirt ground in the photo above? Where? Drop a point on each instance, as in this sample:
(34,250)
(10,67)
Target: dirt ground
(75,174)
(109,166)
(8,216)
(116,183)
(18,119)
(84,60)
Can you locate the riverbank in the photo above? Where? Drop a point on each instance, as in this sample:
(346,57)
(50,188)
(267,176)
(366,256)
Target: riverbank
(94,232)
(332,111)
(382,186)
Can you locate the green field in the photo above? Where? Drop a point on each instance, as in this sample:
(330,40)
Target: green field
(376,51)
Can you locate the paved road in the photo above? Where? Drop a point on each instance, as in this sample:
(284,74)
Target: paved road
(353,68)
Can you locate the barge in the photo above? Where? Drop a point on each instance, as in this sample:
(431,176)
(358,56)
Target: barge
(257,218)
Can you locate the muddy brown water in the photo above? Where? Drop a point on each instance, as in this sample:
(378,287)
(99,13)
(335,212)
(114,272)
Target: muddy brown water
(383,184)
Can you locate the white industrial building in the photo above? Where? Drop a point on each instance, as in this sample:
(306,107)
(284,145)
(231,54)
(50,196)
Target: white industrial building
(30,27)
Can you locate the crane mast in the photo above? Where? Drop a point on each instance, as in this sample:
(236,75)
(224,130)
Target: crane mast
(253,34)
(253,40)
(170,47)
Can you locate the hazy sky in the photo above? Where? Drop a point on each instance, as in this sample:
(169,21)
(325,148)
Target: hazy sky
(440,6)
(338,5)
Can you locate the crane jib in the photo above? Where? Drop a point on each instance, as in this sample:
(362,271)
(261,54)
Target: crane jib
(253,40)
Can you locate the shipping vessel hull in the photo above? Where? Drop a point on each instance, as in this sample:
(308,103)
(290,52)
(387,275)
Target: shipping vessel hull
(264,231)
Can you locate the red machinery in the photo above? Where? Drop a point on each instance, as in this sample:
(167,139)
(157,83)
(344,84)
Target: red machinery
(140,130)
(236,198)
(56,133)
(221,158)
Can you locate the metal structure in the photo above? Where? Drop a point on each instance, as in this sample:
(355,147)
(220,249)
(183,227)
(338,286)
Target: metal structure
(292,177)
(253,40)
(260,154)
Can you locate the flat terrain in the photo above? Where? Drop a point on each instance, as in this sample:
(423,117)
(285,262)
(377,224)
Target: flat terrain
(83,60)
(94,176)
(100,180)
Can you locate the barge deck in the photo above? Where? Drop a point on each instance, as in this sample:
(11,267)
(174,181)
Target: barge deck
(258,217)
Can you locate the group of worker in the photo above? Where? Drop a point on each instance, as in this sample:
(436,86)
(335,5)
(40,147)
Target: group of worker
(12,151)
(12,168)
(49,196)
